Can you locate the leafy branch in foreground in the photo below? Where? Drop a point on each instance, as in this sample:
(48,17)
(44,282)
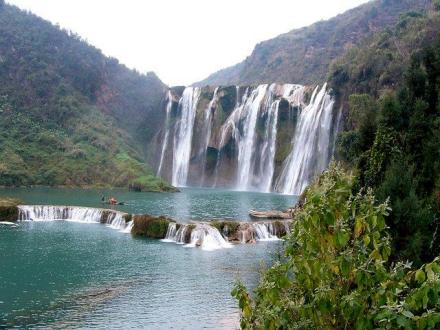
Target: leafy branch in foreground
(336,274)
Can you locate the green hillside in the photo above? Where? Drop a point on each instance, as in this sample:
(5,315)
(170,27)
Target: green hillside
(389,90)
(68,114)
(303,56)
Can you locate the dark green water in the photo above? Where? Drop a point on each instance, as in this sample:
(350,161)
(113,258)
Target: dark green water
(70,275)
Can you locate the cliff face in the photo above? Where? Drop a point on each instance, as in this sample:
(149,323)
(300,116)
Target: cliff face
(303,55)
(241,137)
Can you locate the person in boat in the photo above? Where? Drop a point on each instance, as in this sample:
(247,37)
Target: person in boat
(113,201)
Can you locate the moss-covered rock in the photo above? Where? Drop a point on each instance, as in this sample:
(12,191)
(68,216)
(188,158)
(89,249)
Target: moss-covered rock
(226,228)
(151,183)
(150,226)
(9,209)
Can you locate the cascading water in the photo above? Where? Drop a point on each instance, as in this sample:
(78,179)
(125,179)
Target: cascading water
(310,151)
(196,235)
(207,128)
(267,151)
(183,137)
(247,140)
(265,232)
(207,238)
(230,127)
(113,219)
(167,132)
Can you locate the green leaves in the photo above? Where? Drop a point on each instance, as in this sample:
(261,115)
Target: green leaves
(420,276)
(336,274)
(341,239)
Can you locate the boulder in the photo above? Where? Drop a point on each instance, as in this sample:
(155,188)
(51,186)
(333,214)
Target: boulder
(9,209)
(150,226)
(269,214)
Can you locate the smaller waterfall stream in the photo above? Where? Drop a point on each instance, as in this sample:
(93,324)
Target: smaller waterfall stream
(209,238)
(167,132)
(196,235)
(113,219)
(183,137)
(311,145)
(207,128)
(246,142)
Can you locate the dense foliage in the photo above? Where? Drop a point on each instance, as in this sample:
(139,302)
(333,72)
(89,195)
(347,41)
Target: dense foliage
(335,272)
(68,114)
(393,140)
(379,62)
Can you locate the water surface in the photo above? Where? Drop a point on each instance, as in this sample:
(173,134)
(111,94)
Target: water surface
(191,203)
(62,274)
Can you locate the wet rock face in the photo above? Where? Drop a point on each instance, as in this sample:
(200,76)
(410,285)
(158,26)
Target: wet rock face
(9,209)
(214,141)
(105,215)
(250,232)
(150,226)
(245,234)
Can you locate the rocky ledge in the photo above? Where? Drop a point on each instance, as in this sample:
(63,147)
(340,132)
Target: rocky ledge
(208,234)
(270,214)
(9,209)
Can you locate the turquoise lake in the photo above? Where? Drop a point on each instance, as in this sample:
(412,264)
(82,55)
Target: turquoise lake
(60,274)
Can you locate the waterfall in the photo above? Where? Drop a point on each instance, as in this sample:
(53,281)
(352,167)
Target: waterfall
(247,140)
(183,136)
(268,148)
(251,232)
(196,235)
(265,232)
(167,132)
(267,165)
(310,147)
(230,127)
(128,228)
(207,238)
(171,233)
(207,128)
(113,219)
(247,137)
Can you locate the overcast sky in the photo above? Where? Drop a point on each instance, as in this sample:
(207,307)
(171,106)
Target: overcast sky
(183,41)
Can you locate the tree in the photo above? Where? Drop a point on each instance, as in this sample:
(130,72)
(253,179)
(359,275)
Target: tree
(335,273)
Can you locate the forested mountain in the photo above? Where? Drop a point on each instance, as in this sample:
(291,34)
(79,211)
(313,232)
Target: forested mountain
(389,89)
(303,56)
(68,114)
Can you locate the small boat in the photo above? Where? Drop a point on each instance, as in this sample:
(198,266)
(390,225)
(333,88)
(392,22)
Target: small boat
(117,203)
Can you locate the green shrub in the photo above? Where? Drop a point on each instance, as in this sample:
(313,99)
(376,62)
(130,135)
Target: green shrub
(335,273)
(150,226)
